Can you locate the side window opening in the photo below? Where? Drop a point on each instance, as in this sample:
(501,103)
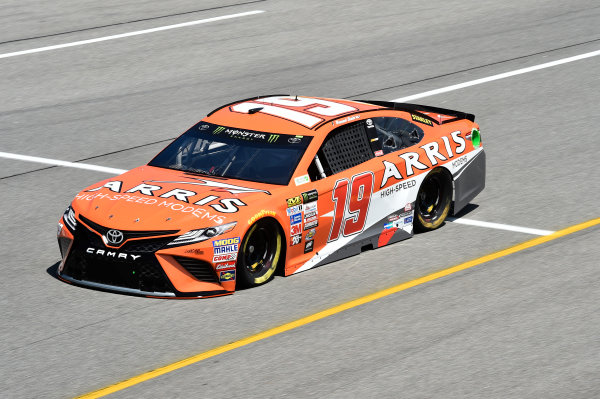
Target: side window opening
(396,133)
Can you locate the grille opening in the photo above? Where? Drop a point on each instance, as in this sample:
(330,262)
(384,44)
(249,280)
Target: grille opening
(368,247)
(146,275)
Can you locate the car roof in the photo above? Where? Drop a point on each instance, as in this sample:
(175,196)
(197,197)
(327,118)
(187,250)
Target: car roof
(286,114)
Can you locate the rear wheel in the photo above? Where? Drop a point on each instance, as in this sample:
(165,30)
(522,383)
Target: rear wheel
(260,253)
(433,200)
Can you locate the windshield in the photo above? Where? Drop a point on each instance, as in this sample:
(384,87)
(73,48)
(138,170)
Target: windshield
(216,150)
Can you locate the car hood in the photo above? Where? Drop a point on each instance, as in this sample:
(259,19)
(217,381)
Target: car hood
(151,198)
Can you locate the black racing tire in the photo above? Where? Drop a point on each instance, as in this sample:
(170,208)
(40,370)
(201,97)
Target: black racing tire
(433,201)
(260,253)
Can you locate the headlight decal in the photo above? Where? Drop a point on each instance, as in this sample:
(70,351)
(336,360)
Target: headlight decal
(69,218)
(200,235)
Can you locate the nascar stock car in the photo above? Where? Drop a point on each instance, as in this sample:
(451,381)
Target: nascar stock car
(271,183)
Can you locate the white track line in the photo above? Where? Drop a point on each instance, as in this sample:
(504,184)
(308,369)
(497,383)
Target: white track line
(129,34)
(497,77)
(500,226)
(57,162)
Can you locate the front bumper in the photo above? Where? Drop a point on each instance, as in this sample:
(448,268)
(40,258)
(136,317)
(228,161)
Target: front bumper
(138,267)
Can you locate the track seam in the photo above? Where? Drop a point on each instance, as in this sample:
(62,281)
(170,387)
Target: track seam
(473,68)
(128,22)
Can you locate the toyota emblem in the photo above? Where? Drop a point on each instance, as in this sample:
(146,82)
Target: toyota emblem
(114,237)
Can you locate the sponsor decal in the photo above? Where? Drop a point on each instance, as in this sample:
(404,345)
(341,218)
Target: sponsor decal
(460,161)
(310,215)
(111,254)
(273,138)
(397,187)
(148,192)
(201,213)
(408,207)
(311,224)
(310,235)
(348,119)
(310,219)
(412,160)
(296,239)
(296,229)
(227,275)
(226,245)
(420,119)
(310,207)
(263,213)
(379,153)
(225,266)
(297,200)
(296,218)
(217,185)
(246,134)
(194,251)
(398,221)
(225,257)
(295,140)
(310,196)
(294,209)
(301,180)
(203,127)
(309,246)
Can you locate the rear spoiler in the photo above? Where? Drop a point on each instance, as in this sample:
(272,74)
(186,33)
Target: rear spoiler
(420,109)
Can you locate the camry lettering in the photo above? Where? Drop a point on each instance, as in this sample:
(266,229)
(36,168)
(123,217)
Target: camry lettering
(111,254)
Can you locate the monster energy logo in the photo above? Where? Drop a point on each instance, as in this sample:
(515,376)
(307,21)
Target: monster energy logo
(218,130)
(273,138)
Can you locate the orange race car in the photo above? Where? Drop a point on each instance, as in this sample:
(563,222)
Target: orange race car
(271,183)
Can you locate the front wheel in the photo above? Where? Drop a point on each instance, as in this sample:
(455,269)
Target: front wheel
(260,253)
(433,200)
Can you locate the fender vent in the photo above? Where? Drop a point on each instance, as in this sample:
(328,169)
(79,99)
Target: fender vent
(200,269)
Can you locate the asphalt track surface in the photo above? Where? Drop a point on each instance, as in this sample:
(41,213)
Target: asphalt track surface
(524,325)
